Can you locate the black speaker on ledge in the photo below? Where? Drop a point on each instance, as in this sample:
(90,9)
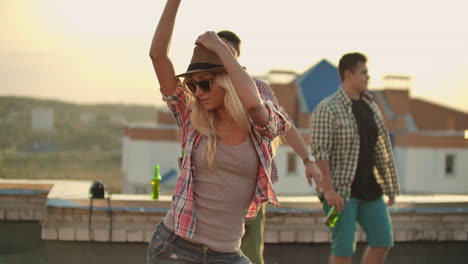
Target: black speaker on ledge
(97,190)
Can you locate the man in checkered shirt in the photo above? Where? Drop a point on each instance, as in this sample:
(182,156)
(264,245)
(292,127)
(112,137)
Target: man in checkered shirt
(354,153)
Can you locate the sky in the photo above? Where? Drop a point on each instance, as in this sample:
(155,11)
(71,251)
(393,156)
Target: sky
(88,51)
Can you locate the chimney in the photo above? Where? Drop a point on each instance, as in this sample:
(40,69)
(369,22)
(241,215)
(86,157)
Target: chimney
(281,76)
(397,82)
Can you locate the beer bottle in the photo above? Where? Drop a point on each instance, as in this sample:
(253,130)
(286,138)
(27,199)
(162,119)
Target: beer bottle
(155,183)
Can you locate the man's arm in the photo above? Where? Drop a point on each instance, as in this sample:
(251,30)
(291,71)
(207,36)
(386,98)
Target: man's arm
(385,161)
(326,186)
(322,127)
(293,137)
(295,140)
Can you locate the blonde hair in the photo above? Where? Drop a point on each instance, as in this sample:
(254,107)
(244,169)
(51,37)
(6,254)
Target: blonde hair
(204,121)
(275,144)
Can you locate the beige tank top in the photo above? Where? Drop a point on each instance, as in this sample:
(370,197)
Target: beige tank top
(222,196)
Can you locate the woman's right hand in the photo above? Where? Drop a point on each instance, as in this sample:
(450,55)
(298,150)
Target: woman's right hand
(211,41)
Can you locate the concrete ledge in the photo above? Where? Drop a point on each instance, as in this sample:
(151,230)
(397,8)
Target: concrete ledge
(67,214)
(23,200)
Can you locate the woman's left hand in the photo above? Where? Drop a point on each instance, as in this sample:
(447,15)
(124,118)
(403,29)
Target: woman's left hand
(210,40)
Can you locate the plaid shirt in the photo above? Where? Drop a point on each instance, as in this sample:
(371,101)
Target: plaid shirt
(335,138)
(267,94)
(182,201)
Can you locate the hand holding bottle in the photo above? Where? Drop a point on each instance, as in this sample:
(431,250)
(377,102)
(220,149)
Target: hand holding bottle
(333,214)
(334,199)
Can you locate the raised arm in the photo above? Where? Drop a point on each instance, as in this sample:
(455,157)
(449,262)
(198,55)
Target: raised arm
(160,48)
(243,83)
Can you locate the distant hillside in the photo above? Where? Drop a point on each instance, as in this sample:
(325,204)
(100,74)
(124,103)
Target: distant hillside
(75,126)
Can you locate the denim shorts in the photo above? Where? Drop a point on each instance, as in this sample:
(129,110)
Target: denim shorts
(166,247)
(372,216)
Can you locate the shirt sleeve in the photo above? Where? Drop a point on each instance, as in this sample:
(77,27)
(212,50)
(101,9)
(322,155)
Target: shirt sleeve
(322,127)
(266,93)
(176,103)
(385,161)
(277,123)
(386,166)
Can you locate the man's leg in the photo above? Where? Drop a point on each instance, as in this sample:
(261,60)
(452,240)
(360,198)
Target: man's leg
(252,241)
(374,218)
(339,260)
(344,233)
(375,255)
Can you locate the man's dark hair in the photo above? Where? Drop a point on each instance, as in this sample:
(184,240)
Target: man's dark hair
(231,37)
(350,61)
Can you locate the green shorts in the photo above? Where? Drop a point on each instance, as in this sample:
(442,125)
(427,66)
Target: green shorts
(372,216)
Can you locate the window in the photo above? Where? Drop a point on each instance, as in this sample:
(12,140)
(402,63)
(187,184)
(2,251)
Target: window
(291,163)
(450,164)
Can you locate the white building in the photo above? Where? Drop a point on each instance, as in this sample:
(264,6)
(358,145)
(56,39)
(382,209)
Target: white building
(144,146)
(117,119)
(88,117)
(430,149)
(42,119)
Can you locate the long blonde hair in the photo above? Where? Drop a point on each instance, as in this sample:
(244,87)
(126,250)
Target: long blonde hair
(204,121)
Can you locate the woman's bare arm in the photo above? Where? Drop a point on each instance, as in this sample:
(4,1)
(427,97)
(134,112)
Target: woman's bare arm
(160,48)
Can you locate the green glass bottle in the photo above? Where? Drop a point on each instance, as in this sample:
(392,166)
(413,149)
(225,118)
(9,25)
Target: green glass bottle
(155,183)
(333,215)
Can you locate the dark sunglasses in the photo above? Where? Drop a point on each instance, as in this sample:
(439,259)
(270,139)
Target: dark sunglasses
(204,85)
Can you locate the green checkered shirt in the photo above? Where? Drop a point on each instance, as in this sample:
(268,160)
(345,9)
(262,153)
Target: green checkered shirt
(335,138)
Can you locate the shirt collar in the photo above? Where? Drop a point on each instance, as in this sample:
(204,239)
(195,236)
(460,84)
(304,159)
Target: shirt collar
(347,101)
(344,97)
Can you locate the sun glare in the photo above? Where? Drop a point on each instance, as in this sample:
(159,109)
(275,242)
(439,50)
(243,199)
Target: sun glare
(106,18)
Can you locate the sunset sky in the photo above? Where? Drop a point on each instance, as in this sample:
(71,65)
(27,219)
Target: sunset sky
(90,51)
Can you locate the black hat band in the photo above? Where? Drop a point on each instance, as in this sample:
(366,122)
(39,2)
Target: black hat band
(202,66)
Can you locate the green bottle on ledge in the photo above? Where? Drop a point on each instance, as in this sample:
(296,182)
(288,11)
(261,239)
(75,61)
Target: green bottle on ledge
(333,215)
(155,183)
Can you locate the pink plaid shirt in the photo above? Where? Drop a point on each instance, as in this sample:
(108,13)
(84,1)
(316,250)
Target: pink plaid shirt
(182,201)
(267,94)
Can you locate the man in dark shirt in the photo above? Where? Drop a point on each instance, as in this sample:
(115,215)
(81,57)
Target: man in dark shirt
(354,153)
